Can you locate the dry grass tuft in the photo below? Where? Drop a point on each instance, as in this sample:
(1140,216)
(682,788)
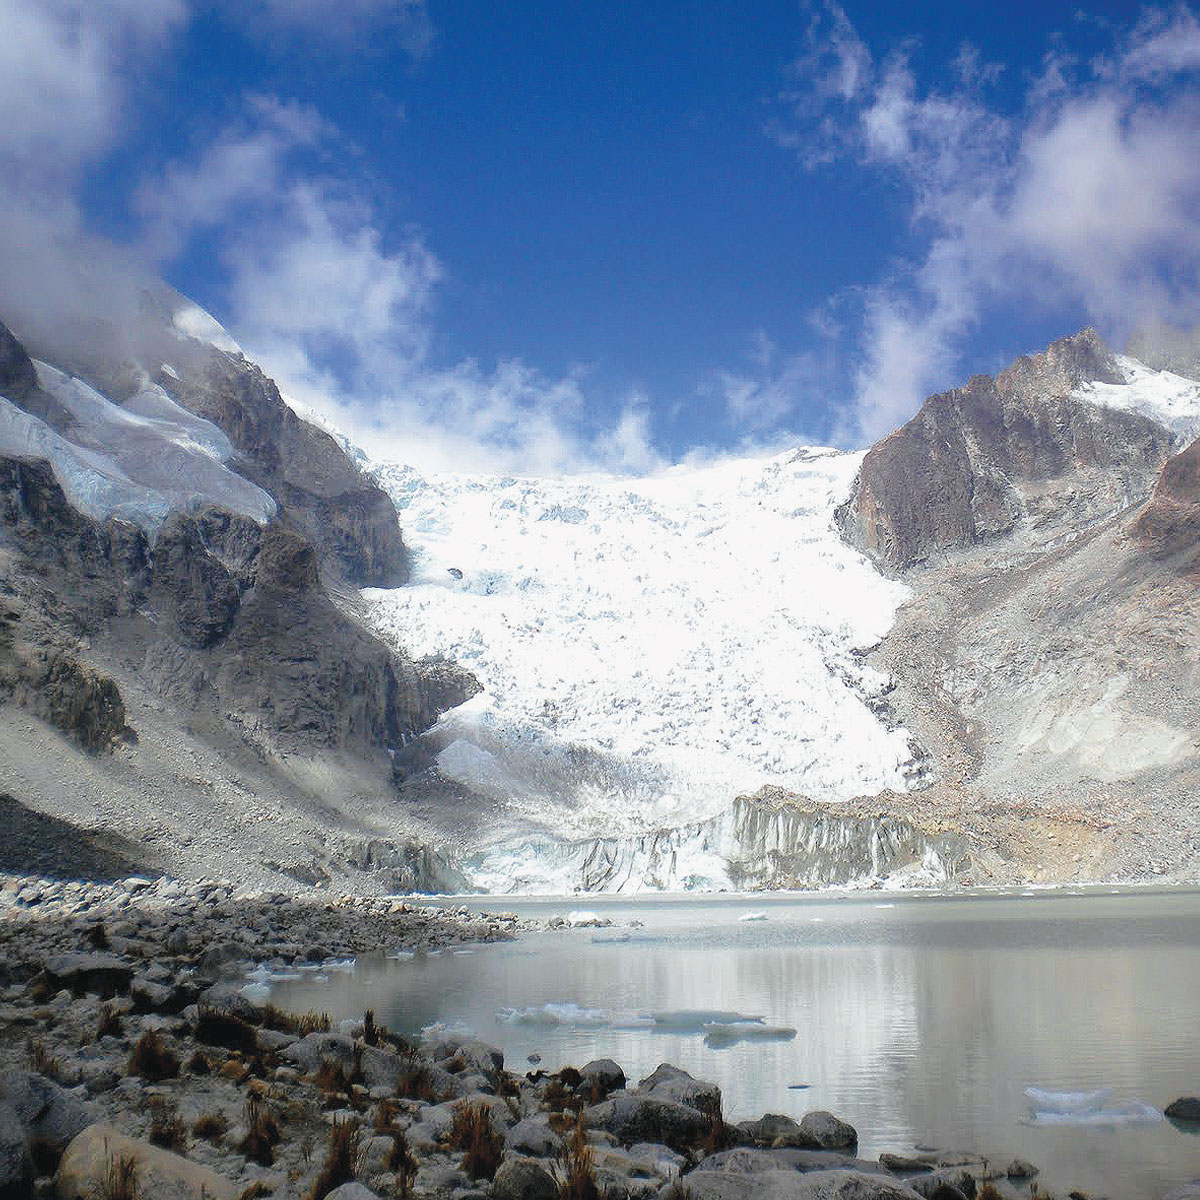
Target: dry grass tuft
(41,1061)
(199,1063)
(152,1058)
(475,1135)
(120,1179)
(262,1133)
(340,1157)
(578,1179)
(211,1127)
(416,1079)
(97,937)
(166,1126)
(217,1028)
(110,1024)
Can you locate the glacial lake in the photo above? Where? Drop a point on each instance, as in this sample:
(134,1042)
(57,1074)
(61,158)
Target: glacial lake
(920,1019)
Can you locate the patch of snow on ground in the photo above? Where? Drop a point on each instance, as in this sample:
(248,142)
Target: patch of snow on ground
(649,648)
(1171,400)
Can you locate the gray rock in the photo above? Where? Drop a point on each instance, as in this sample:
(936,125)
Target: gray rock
(767,1128)
(104,974)
(1020,1169)
(904,1162)
(641,1118)
(787,1185)
(351,1191)
(823,1131)
(748,1160)
(50,1116)
(220,957)
(16,1163)
(1187,1108)
(524,1179)
(603,1074)
(672,1084)
(534,1136)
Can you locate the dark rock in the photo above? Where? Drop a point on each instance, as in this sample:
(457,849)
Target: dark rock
(965,469)
(602,1075)
(820,1131)
(767,1128)
(524,1179)
(638,1118)
(1187,1108)
(54,685)
(16,1163)
(1020,1169)
(50,1116)
(102,974)
(349,518)
(194,592)
(19,383)
(902,1162)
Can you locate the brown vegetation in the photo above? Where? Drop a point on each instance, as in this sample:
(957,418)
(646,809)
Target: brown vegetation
(152,1058)
(340,1157)
(473,1132)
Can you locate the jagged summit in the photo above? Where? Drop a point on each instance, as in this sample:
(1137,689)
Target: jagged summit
(1046,446)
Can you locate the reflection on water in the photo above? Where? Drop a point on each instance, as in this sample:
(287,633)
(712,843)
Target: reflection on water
(920,1020)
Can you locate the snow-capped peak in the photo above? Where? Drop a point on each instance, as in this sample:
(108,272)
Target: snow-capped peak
(1171,400)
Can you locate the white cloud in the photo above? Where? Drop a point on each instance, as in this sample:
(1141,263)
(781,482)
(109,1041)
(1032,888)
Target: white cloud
(342,314)
(64,73)
(1090,196)
(407,20)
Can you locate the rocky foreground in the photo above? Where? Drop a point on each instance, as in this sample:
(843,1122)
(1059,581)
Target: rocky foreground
(134,1065)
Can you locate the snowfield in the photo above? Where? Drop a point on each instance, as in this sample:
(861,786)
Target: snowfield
(649,648)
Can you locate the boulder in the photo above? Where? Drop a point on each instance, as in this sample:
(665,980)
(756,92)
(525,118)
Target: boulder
(351,1191)
(534,1136)
(670,1083)
(50,1116)
(524,1179)
(104,974)
(788,1185)
(640,1118)
(767,1128)
(603,1075)
(160,1174)
(820,1131)
(1187,1108)
(16,1164)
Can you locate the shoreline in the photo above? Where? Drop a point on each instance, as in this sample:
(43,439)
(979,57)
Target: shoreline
(94,977)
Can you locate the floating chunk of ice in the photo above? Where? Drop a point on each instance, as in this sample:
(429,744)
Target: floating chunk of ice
(718,1036)
(1046,1101)
(753,916)
(549,1016)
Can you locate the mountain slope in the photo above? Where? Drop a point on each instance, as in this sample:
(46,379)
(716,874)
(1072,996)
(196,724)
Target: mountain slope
(1052,668)
(178,559)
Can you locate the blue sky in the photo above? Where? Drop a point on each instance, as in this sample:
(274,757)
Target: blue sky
(550,237)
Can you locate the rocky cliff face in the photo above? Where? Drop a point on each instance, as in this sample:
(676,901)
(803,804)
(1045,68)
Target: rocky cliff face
(1020,450)
(1170,526)
(1049,659)
(208,636)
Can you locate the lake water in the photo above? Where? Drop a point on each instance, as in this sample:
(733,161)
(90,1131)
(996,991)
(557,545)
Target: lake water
(919,1019)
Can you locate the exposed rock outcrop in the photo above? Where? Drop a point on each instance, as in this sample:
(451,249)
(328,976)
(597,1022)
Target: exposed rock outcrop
(338,509)
(231,639)
(1170,525)
(977,462)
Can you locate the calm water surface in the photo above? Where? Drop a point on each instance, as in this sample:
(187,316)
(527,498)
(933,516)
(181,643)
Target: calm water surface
(919,1019)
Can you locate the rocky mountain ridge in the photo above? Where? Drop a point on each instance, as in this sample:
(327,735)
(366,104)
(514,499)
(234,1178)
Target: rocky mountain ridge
(152,631)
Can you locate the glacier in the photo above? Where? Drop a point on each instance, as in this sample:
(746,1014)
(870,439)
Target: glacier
(138,462)
(649,649)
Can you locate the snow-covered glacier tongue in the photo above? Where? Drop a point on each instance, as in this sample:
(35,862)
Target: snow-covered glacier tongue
(649,649)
